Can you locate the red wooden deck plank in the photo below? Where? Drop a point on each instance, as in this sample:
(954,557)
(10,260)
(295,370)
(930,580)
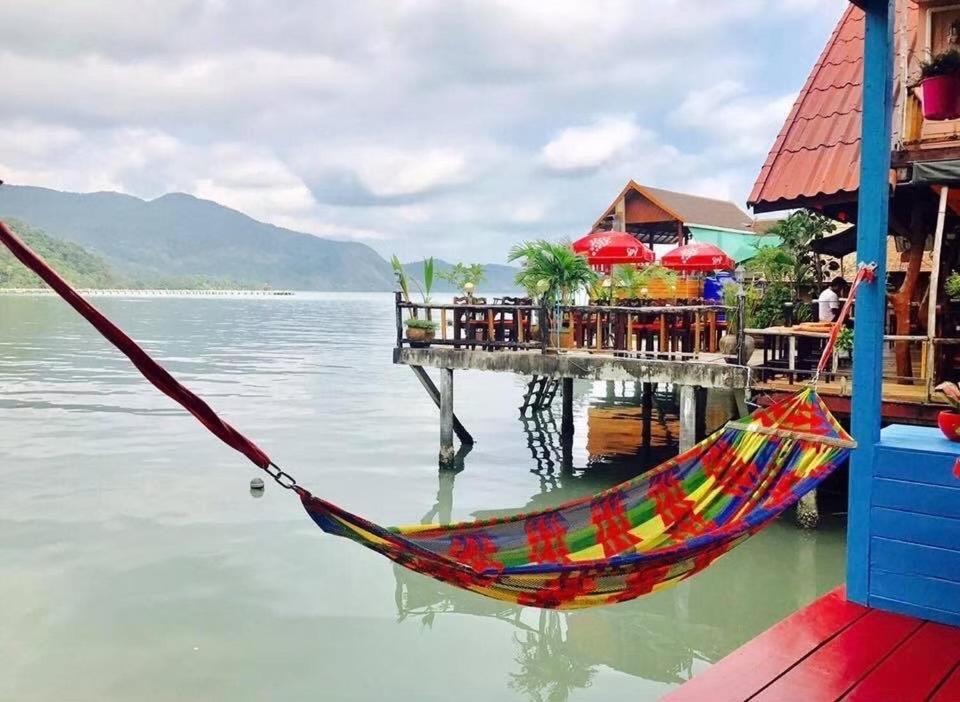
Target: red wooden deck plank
(752,666)
(950,690)
(914,669)
(834,668)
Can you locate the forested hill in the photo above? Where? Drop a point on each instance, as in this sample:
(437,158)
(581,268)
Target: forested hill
(180,237)
(80,267)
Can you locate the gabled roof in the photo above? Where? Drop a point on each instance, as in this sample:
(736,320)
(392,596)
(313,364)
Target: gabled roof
(817,153)
(689,209)
(816,157)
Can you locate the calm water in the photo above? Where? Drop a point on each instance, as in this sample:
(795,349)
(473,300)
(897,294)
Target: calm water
(135,564)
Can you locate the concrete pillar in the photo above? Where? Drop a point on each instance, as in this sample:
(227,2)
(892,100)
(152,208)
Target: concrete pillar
(447,452)
(647,405)
(688,417)
(566,424)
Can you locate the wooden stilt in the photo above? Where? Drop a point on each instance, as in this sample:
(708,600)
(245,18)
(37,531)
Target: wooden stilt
(647,413)
(688,417)
(434,393)
(700,425)
(566,424)
(447,452)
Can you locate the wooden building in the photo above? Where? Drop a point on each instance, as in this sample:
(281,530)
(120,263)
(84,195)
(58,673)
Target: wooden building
(815,163)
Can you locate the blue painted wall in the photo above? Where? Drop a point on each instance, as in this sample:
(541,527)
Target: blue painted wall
(913,549)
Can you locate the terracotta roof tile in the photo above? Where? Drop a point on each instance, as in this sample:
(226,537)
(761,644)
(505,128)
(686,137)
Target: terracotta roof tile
(817,153)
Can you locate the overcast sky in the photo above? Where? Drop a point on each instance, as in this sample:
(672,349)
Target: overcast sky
(425,127)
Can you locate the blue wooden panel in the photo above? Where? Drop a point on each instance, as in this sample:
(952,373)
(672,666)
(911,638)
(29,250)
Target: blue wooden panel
(917,590)
(917,466)
(914,610)
(928,439)
(917,497)
(915,528)
(902,557)
(872,226)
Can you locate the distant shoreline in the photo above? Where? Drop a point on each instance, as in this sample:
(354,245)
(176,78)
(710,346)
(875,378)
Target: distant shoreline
(160,292)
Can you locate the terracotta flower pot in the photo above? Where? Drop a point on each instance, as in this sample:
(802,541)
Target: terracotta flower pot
(949,423)
(419,337)
(941,97)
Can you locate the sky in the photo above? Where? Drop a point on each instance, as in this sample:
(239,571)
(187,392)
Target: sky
(451,128)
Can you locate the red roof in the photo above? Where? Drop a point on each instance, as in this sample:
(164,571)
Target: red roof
(817,153)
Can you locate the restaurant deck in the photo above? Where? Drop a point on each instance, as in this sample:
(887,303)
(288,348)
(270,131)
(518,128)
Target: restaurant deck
(835,649)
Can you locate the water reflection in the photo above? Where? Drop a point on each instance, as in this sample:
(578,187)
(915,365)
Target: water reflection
(665,638)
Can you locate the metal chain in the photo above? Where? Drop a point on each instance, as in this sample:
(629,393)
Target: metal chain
(282,478)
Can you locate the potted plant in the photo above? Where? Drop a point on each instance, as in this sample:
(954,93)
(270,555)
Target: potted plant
(553,273)
(952,287)
(940,86)
(949,420)
(464,277)
(420,331)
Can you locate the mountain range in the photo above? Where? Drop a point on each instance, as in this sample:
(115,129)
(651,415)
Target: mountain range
(181,237)
(178,240)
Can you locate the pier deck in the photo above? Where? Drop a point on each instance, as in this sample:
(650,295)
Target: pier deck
(833,650)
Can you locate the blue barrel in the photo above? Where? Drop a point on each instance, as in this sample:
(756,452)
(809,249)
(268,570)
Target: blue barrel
(713,285)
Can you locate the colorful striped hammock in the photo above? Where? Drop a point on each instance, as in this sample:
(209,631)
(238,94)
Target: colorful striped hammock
(638,537)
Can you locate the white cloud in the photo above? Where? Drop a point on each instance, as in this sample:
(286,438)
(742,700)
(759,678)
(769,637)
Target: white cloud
(387,172)
(587,148)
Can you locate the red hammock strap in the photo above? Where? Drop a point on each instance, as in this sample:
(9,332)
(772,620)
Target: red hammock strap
(150,369)
(864,273)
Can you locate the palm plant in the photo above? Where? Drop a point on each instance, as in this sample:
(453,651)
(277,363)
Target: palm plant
(551,270)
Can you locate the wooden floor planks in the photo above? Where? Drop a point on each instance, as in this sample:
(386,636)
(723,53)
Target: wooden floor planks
(836,650)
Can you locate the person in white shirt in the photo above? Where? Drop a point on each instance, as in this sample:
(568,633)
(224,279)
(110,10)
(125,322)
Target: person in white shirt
(829,300)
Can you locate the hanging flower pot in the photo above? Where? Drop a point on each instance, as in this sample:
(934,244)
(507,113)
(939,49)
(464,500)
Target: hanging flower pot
(949,420)
(940,86)
(941,97)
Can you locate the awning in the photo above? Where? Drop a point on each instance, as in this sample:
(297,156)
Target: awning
(837,245)
(738,245)
(936,173)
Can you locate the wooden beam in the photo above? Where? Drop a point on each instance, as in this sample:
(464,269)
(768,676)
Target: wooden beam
(434,394)
(873,213)
(566,424)
(930,350)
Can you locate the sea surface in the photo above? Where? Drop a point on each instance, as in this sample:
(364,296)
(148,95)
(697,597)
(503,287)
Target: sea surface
(135,564)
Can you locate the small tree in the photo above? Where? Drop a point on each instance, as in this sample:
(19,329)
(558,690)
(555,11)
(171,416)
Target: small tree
(551,270)
(460,275)
(798,233)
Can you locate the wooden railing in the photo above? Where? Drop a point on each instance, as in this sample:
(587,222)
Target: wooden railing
(649,330)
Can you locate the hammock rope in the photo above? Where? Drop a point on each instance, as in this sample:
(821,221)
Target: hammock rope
(638,537)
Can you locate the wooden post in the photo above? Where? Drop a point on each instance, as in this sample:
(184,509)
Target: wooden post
(741,326)
(443,323)
(397,299)
(544,324)
(688,417)
(700,423)
(447,453)
(434,394)
(566,424)
(873,213)
(647,413)
(930,352)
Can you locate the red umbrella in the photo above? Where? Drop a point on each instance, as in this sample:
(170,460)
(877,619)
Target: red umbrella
(606,249)
(697,257)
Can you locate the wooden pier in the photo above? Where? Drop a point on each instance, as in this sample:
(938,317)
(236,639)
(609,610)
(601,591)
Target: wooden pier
(673,348)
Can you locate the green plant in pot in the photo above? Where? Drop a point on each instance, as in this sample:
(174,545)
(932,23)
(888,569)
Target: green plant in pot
(951,287)
(420,330)
(949,420)
(464,277)
(552,273)
(940,86)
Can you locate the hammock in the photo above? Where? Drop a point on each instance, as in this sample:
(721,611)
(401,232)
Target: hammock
(641,536)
